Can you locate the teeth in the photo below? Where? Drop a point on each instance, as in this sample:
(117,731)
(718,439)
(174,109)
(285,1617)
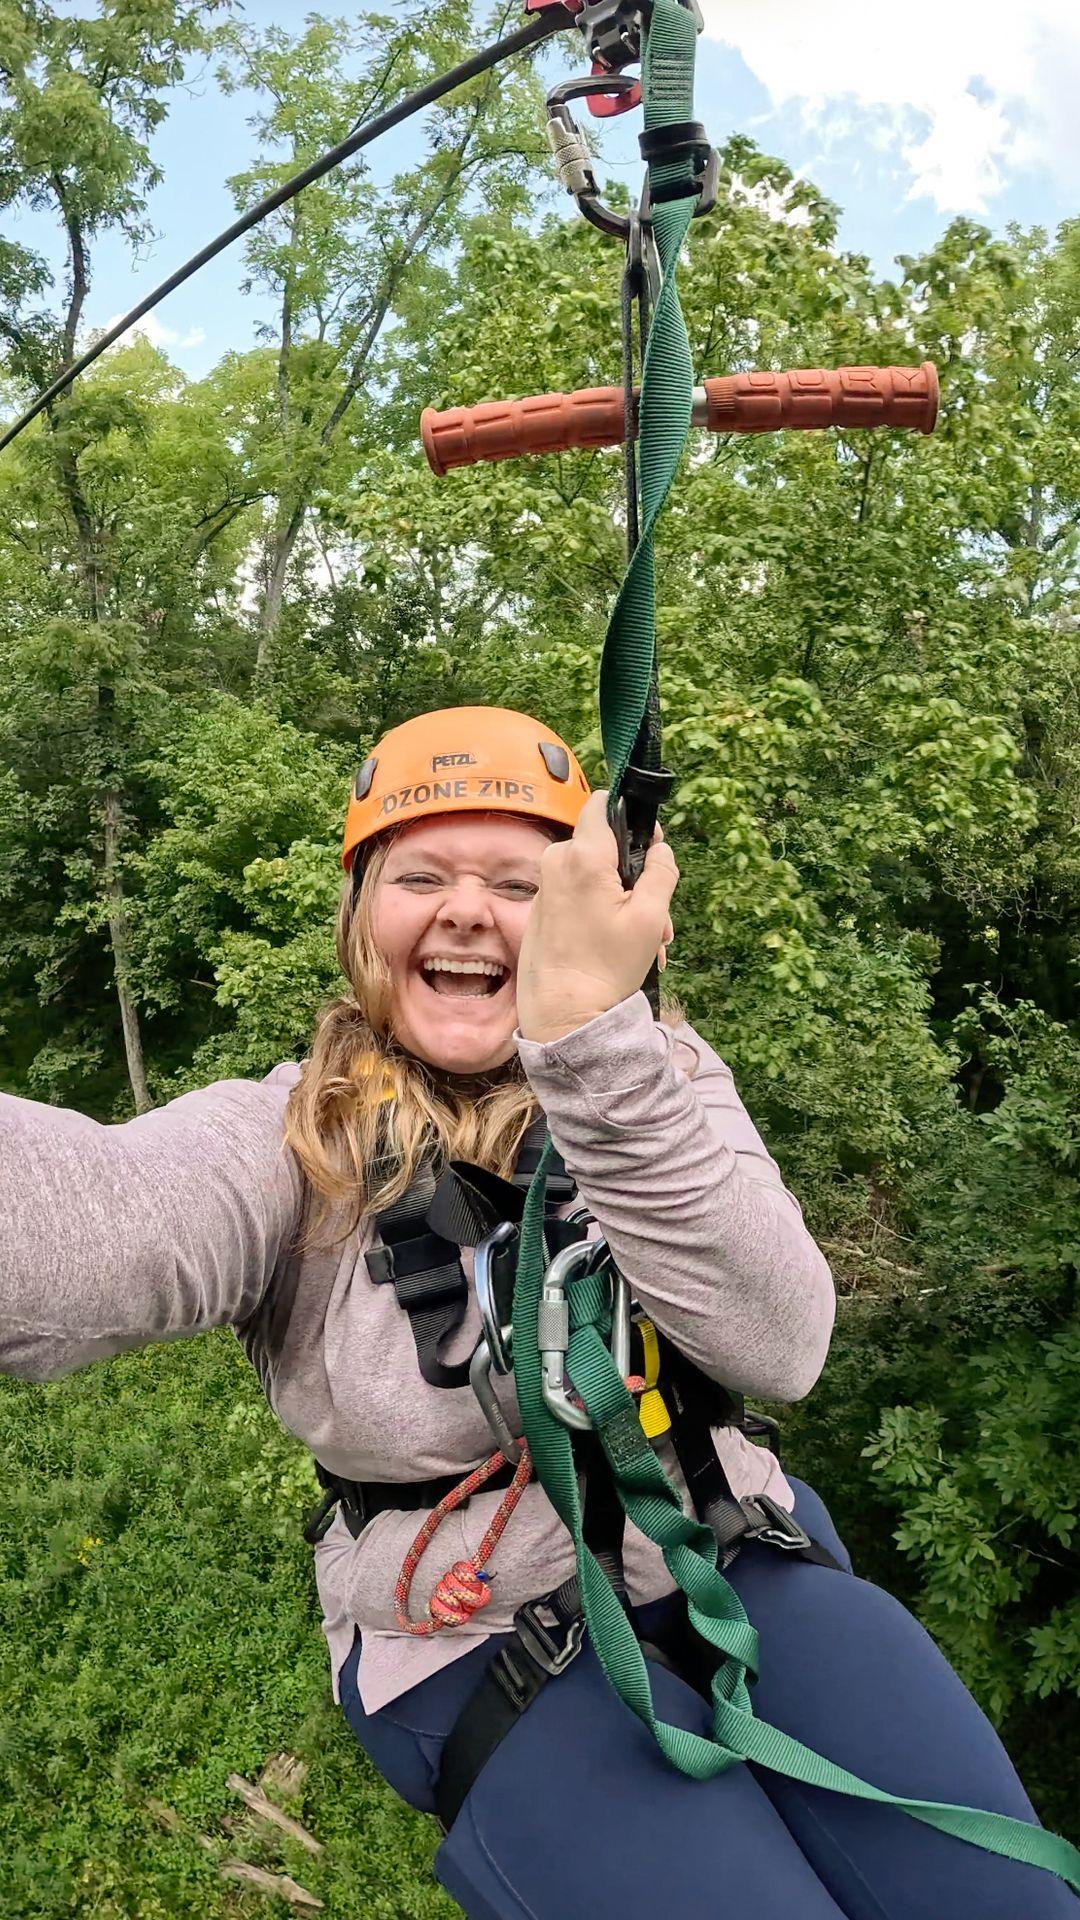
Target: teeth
(489,967)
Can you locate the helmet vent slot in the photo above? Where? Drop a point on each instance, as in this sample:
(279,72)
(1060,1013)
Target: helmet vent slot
(364,778)
(556,760)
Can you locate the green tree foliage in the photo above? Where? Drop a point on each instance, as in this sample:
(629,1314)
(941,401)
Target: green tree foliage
(215,594)
(159,1632)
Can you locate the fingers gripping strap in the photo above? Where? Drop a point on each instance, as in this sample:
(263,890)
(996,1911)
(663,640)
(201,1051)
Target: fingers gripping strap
(689,1550)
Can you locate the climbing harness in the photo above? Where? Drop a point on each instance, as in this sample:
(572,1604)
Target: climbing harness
(421,1233)
(420,1256)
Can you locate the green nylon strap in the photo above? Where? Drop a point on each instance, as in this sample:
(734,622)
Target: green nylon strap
(650,1499)
(667,382)
(689,1550)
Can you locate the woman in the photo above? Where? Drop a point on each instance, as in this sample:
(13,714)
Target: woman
(494,973)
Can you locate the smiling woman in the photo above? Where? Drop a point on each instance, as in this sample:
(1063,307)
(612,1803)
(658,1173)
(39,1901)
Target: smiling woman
(448,825)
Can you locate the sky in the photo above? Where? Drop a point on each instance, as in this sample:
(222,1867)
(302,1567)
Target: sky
(905,117)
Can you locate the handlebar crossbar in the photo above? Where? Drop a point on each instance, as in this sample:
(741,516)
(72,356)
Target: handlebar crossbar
(810,397)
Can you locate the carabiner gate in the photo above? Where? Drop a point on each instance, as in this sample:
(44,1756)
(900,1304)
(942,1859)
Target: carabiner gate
(577,1262)
(495,1349)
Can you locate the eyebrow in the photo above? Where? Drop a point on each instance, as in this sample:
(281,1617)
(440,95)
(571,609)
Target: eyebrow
(424,858)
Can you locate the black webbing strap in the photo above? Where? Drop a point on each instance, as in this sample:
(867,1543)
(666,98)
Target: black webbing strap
(423,1232)
(510,1684)
(425,1271)
(559,1187)
(361,1500)
(697,1405)
(603,1514)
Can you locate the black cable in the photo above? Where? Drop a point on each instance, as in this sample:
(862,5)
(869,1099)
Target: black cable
(541,27)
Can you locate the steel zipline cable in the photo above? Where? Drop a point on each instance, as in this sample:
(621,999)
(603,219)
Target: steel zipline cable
(553,19)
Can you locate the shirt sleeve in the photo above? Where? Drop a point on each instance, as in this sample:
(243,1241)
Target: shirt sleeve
(115,1236)
(692,1205)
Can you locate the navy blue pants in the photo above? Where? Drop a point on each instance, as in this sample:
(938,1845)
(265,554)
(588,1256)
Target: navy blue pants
(578,1817)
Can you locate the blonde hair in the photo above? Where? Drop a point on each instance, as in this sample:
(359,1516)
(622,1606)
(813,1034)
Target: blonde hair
(366,1113)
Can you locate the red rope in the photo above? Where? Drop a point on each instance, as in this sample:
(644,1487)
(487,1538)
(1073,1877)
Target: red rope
(464,1588)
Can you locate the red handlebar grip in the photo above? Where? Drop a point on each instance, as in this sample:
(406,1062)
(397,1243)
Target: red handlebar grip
(735,403)
(503,429)
(814,397)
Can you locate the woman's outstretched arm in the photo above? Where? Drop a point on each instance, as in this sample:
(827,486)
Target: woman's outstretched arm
(115,1236)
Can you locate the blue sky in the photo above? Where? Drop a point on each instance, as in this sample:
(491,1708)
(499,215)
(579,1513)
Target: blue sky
(904,117)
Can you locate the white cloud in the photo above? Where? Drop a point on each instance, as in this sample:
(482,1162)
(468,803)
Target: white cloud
(964,92)
(150,328)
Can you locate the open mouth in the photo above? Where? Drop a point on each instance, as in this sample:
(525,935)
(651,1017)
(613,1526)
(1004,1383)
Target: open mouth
(464,980)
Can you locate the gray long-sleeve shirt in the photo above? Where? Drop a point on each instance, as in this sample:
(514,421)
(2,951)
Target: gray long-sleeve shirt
(183,1219)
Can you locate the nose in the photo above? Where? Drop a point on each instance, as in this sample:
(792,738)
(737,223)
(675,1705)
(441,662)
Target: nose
(466,905)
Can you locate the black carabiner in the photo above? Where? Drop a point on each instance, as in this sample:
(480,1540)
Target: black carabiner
(572,159)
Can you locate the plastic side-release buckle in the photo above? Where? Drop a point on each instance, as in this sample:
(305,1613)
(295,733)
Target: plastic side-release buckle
(772,1524)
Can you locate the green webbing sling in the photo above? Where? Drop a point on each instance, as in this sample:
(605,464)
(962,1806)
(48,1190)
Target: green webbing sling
(667,381)
(649,1497)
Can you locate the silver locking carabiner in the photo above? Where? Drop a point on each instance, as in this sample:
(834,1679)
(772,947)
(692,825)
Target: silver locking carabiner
(577,1262)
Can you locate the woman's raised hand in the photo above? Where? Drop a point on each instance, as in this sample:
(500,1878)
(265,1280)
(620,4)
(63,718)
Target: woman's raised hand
(589,942)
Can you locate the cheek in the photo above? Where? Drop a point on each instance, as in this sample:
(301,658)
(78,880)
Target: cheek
(395,924)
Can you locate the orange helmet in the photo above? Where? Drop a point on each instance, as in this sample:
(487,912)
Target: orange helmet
(464,760)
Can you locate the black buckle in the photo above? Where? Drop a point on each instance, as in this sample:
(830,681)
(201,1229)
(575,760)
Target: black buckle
(423,1270)
(683,140)
(542,1643)
(519,1679)
(772,1524)
(642,793)
(380,1264)
(559,1189)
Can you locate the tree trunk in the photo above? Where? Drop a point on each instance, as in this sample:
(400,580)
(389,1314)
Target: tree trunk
(110,799)
(118,933)
(290,520)
(93,588)
(285,539)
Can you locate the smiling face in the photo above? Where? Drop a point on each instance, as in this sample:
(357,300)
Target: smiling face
(457,890)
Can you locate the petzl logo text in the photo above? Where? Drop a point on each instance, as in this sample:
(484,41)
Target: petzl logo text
(452,760)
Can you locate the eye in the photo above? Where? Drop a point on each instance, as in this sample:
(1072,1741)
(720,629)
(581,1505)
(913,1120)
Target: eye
(423,879)
(526,886)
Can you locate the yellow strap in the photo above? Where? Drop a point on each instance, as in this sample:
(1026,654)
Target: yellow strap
(653,1414)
